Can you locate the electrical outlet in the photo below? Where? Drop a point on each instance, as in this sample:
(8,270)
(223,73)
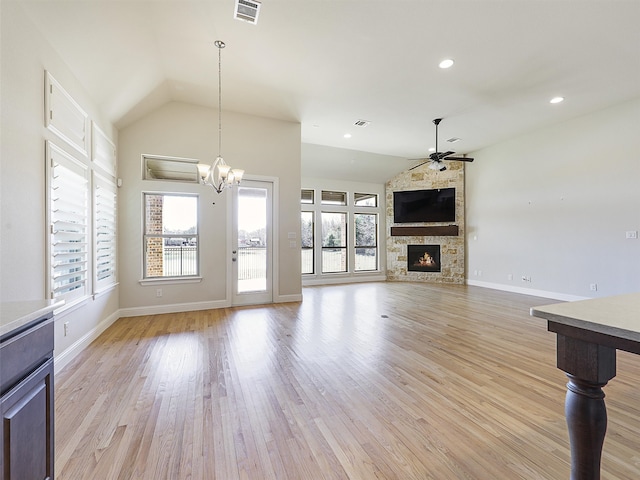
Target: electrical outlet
(632,234)
(510,276)
(526,278)
(66,328)
(158,292)
(593,287)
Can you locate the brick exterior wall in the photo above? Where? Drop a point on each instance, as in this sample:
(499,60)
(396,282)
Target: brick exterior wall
(155,255)
(452,249)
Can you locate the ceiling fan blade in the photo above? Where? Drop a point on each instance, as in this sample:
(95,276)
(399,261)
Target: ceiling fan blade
(441,155)
(416,166)
(459,159)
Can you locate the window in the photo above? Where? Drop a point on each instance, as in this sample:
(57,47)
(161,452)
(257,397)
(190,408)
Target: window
(366,244)
(104,191)
(103,156)
(306,241)
(81,200)
(334,242)
(169,168)
(334,198)
(170,235)
(307,196)
(365,199)
(69,225)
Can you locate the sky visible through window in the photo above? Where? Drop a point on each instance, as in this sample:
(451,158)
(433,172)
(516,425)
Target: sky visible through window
(179,213)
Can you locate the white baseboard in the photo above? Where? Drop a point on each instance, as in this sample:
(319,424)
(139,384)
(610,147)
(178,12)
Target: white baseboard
(288,298)
(173,308)
(343,279)
(64,358)
(527,291)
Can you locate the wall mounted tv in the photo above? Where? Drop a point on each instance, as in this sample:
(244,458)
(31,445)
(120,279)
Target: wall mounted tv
(414,206)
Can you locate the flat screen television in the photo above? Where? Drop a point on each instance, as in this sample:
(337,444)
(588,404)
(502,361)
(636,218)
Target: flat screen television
(414,206)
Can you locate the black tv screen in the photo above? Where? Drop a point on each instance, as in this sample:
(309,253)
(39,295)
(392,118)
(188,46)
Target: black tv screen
(424,206)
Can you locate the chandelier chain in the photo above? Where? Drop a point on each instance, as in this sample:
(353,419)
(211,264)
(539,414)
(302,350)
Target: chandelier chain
(220,46)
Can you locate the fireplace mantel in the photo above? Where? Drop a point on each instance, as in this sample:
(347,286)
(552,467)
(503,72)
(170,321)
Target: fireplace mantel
(431,231)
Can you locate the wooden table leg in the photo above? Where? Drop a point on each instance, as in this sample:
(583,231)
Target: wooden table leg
(589,367)
(586,416)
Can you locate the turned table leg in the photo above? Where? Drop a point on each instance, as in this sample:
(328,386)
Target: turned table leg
(586,416)
(589,367)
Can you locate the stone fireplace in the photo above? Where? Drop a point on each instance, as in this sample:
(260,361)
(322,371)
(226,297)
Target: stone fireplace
(423,258)
(447,263)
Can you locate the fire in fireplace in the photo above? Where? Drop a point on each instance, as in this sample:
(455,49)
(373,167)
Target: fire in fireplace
(423,258)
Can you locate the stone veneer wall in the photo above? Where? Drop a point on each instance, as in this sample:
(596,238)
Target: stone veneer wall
(451,248)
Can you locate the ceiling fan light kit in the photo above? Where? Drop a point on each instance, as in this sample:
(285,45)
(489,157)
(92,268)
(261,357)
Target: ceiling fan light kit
(436,158)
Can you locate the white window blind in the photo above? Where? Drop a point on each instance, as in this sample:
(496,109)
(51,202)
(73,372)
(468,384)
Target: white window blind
(65,117)
(104,232)
(103,151)
(69,225)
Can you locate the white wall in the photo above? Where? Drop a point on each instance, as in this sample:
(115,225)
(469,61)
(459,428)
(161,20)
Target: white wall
(25,55)
(261,146)
(554,205)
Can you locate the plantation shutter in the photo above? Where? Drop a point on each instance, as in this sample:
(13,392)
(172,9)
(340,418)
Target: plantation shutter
(69,224)
(105,232)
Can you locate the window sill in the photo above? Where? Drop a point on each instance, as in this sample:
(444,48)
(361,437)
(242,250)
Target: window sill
(169,280)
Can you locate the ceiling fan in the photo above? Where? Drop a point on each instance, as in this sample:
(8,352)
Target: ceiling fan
(436,158)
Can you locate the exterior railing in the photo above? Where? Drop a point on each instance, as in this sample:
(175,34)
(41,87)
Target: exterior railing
(252,263)
(180,260)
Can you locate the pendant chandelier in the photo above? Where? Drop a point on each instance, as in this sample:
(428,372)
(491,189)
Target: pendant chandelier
(219,175)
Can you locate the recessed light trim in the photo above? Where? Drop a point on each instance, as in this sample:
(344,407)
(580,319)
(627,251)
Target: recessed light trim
(556,100)
(347,135)
(446,63)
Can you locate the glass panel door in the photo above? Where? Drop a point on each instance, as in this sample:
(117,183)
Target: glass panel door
(252,250)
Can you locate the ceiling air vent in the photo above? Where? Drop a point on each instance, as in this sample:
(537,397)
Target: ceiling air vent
(247,11)
(361,123)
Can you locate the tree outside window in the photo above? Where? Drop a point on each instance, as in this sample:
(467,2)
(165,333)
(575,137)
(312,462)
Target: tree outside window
(306,241)
(334,242)
(366,242)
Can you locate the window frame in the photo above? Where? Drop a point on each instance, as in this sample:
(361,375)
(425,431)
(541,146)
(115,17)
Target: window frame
(146,236)
(356,246)
(344,248)
(312,248)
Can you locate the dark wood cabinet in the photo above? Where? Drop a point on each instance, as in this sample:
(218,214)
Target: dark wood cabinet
(26,402)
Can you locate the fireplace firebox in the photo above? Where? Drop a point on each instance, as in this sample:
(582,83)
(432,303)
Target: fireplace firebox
(423,258)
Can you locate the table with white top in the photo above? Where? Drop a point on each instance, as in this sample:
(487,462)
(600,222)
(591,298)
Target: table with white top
(588,334)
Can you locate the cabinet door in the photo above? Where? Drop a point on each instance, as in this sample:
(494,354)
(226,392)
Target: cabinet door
(26,443)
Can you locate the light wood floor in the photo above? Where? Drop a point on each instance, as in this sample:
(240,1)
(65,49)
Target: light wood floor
(369,381)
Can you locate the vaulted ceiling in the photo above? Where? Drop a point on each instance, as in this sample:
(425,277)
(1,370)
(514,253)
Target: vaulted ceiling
(327,64)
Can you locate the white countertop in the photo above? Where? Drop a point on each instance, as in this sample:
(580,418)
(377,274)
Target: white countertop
(618,315)
(14,315)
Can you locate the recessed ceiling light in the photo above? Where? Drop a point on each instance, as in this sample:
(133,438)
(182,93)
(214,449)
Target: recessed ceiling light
(347,135)
(446,63)
(556,100)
